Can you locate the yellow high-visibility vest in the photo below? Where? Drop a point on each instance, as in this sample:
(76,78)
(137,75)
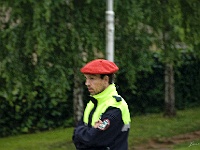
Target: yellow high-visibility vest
(109,97)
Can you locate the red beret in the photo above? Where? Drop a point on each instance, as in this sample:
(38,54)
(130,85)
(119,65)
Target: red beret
(100,66)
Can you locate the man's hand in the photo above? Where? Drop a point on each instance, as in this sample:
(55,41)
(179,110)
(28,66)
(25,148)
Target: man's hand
(97,123)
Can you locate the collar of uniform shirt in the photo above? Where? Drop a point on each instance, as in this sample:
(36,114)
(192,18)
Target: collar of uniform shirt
(110,90)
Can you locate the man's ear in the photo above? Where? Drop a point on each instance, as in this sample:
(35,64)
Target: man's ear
(106,78)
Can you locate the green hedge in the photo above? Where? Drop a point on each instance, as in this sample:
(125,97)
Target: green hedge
(51,103)
(148,96)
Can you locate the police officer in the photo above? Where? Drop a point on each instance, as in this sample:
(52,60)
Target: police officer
(106,119)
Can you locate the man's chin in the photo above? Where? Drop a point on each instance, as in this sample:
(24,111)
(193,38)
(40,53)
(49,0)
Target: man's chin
(92,94)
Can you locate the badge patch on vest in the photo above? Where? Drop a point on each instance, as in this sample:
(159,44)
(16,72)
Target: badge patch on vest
(104,125)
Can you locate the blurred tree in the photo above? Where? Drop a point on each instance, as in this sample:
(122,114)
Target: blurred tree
(132,40)
(89,23)
(168,20)
(190,23)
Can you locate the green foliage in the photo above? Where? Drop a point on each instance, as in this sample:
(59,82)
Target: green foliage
(43,42)
(132,42)
(36,71)
(187,85)
(149,92)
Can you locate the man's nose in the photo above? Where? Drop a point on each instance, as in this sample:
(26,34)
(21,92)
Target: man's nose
(86,82)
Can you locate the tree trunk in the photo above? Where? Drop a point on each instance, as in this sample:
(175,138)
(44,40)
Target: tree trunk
(77,97)
(169,91)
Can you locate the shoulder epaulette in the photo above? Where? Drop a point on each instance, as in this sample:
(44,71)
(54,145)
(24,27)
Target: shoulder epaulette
(118,98)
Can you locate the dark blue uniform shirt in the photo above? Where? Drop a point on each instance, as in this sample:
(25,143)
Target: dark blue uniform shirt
(115,137)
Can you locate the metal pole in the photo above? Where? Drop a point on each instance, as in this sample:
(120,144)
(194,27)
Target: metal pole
(110,31)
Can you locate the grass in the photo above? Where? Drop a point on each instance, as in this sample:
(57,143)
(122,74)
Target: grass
(155,126)
(143,128)
(192,145)
(59,139)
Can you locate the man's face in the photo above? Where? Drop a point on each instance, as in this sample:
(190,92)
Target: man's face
(95,83)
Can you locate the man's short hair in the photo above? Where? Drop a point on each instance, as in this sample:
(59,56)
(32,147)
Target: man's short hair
(110,76)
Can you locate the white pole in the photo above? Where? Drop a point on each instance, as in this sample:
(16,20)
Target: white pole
(110,31)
